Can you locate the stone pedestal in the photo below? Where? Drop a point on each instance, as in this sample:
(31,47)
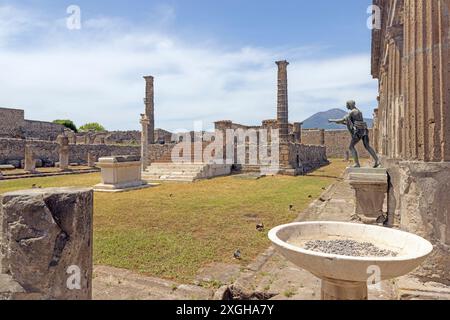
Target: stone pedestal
(120,173)
(91,159)
(46,244)
(371,186)
(63,142)
(344,290)
(29,162)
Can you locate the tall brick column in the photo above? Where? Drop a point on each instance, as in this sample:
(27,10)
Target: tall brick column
(282,105)
(283,114)
(150,108)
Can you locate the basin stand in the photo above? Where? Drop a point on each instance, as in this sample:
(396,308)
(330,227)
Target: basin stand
(343,290)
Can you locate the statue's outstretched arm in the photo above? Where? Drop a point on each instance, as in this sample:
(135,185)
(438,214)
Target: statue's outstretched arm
(343,121)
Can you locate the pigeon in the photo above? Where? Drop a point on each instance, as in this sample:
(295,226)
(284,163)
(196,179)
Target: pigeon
(260,227)
(33,186)
(291,207)
(237,254)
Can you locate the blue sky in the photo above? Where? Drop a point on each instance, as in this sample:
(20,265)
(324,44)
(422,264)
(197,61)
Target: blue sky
(212,60)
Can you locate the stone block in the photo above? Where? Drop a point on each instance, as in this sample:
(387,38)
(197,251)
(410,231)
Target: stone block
(46,243)
(120,173)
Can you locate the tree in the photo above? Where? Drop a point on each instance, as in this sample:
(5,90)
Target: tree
(92,126)
(68,124)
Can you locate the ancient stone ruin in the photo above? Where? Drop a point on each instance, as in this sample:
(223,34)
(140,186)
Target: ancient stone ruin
(410,59)
(233,146)
(46,244)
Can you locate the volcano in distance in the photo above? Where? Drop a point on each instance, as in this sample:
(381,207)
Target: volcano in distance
(320,120)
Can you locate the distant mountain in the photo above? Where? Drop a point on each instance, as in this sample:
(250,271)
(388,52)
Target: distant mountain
(320,120)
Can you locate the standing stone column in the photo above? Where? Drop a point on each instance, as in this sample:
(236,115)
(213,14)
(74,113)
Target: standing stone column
(63,142)
(150,107)
(46,243)
(145,156)
(283,115)
(427,82)
(282,105)
(30,162)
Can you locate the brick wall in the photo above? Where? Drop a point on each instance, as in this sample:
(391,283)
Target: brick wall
(336,141)
(42,130)
(11,123)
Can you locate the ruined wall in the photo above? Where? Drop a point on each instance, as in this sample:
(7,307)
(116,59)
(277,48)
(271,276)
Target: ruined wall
(418,202)
(337,142)
(307,157)
(42,130)
(11,123)
(410,59)
(13,151)
(160,152)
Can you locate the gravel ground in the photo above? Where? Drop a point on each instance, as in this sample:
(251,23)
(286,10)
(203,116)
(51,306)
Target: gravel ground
(350,248)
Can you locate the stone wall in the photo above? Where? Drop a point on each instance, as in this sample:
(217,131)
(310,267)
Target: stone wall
(158,152)
(308,157)
(13,151)
(418,202)
(11,123)
(337,142)
(41,130)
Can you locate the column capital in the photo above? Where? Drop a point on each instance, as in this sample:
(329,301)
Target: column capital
(149,78)
(282,63)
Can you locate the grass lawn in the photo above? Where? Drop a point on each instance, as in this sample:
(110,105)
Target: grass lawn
(172,230)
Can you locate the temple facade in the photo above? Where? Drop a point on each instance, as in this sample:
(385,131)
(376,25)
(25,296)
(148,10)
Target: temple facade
(411,60)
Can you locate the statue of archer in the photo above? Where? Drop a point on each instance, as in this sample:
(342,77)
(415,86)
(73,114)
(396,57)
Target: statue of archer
(359,131)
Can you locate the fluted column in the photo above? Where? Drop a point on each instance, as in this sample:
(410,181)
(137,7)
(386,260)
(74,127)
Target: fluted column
(427,83)
(150,108)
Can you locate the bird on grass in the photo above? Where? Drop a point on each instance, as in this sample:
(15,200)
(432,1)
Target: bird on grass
(291,207)
(237,254)
(260,227)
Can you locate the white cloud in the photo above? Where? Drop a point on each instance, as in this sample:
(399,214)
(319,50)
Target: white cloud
(96,75)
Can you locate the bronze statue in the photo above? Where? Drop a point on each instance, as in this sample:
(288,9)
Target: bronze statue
(359,131)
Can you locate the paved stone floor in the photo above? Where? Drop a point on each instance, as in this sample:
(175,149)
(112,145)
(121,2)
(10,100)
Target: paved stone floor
(269,276)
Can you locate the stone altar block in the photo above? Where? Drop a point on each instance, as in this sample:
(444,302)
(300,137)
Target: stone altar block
(46,244)
(120,173)
(371,187)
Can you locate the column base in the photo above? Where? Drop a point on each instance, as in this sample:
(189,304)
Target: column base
(344,290)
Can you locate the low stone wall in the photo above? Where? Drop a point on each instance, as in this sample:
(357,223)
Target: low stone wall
(336,141)
(308,157)
(13,150)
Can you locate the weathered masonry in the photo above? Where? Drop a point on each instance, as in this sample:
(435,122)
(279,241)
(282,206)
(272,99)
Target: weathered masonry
(411,60)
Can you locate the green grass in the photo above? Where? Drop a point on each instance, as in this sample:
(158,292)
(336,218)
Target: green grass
(172,230)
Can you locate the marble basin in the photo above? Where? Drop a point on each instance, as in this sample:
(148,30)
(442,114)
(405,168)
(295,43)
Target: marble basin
(346,277)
